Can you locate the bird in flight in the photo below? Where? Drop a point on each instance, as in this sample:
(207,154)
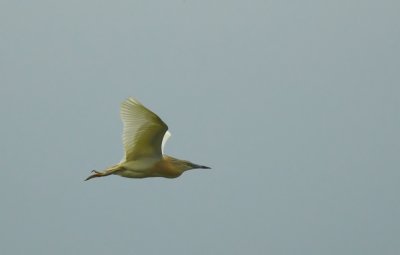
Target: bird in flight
(144,136)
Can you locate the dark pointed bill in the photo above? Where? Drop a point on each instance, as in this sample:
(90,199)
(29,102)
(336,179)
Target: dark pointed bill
(200,166)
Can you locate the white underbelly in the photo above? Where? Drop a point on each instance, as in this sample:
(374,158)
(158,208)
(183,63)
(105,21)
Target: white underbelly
(138,168)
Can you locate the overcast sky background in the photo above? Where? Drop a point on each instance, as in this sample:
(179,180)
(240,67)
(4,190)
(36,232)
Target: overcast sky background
(294,104)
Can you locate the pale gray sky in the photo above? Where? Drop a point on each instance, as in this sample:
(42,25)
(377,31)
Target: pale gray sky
(295,105)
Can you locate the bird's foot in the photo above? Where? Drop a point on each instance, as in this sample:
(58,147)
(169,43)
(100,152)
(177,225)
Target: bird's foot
(96,174)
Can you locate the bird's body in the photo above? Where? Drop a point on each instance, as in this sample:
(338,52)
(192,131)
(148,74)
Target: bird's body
(144,137)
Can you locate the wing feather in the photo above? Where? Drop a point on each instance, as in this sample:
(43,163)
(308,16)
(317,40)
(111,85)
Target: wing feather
(143,131)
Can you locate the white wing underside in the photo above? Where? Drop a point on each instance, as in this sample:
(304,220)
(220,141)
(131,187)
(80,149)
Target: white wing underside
(164,141)
(144,134)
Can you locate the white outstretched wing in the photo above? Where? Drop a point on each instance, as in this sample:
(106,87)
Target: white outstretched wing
(144,132)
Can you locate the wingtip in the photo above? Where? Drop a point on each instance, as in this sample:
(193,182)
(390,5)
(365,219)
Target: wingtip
(132,100)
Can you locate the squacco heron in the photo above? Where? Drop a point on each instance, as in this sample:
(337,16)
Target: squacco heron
(144,136)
